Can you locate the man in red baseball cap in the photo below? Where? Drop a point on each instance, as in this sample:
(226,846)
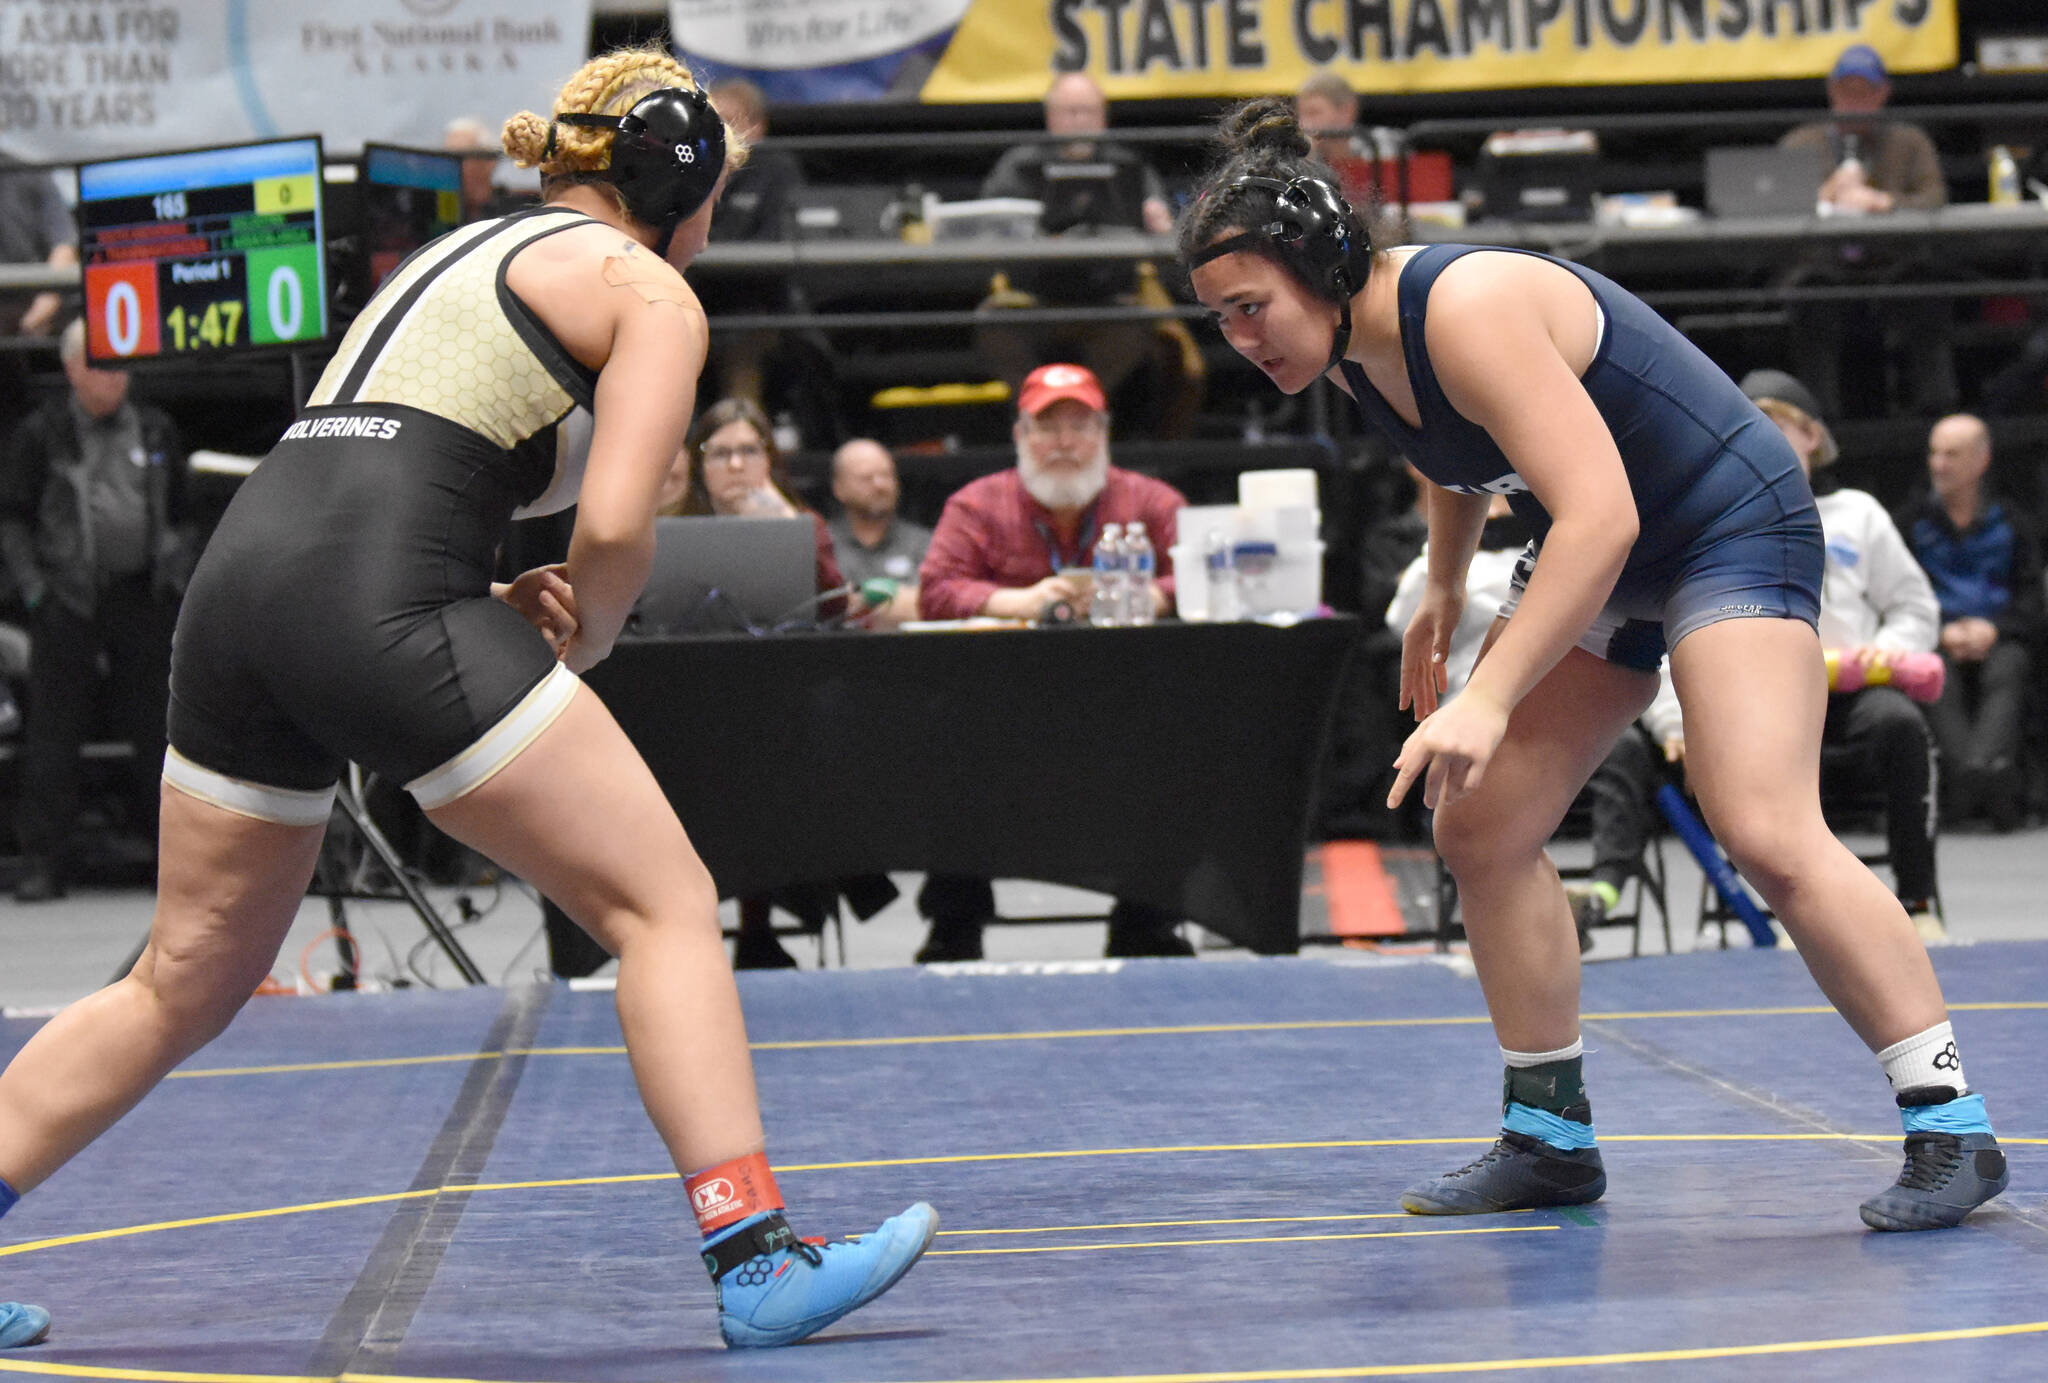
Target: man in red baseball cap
(1003,547)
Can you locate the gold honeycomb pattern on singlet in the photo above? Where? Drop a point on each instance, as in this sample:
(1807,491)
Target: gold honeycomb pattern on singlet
(454,352)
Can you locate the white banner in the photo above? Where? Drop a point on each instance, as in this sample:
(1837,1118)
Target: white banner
(90,78)
(778,35)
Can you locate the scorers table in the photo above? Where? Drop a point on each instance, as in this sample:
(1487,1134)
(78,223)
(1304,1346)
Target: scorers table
(1173,764)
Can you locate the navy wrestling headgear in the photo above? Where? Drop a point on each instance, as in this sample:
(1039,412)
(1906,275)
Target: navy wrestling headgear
(666,156)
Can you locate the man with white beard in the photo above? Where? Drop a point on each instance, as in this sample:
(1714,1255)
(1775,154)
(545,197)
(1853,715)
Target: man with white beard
(1001,548)
(1004,540)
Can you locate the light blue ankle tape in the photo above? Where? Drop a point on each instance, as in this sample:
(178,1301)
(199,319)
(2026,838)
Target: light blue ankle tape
(8,1196)
(1553,1129)
(1964,1114)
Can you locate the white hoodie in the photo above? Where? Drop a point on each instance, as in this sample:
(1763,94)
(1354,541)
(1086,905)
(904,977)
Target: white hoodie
(1873,594)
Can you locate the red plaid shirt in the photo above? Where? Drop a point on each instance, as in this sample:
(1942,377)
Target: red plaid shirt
(994,536)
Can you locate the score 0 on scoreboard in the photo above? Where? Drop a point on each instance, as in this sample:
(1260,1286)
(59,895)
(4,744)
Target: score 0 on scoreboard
(203,251)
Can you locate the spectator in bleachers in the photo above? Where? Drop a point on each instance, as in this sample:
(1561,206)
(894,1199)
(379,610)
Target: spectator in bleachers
(1326,108)
(1984,557)
(1501,546)
(1878,166)
(87,530)
(788,373)
(1075,105)
(1004,540)
(1086,186)
(482,197)
(871,539)
(35,228)
(999,549)
(737,470)
(760,198)
(1875,601)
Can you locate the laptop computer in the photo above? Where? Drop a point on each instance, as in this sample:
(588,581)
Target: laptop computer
(1099,193)
(1764,180)
(843,212)
(720,575)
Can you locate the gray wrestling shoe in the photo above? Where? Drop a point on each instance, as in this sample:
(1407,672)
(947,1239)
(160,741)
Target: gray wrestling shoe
(1517,1173)
(1947,1175)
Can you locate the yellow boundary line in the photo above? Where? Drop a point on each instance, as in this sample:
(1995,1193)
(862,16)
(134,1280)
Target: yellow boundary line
(1554,1361)
(1056,1154)
(145,1375)
(1066,1035)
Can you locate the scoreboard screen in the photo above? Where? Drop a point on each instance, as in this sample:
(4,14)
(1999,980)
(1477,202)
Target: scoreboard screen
(410,196)
(203,251)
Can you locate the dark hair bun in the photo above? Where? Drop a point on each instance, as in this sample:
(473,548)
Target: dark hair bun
(1264,126)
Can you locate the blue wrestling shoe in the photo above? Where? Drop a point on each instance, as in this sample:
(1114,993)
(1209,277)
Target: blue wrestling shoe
(22,1325)
(775,1289)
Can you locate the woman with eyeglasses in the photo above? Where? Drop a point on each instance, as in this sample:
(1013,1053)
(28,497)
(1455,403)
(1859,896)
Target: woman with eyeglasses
(734,469)
(344,611)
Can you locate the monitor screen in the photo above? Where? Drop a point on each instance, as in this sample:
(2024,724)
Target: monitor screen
(203,251)
(409,197)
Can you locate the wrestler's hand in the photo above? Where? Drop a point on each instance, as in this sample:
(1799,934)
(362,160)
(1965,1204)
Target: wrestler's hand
(546,600)
(1452,747)
(1426,650)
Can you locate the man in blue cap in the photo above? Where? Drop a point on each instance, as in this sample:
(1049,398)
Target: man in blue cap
(1879,166)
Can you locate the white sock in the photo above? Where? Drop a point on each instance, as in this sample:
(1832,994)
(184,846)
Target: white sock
(1925,1058)
(1522,1061)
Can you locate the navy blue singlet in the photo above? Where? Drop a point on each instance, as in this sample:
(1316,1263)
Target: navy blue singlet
(1728,527)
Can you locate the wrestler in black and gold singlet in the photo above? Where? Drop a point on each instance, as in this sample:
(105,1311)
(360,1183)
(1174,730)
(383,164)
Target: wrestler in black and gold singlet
(343,608)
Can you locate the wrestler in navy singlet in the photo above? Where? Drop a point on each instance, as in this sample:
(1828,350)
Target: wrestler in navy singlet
(1728,524)
(343,609)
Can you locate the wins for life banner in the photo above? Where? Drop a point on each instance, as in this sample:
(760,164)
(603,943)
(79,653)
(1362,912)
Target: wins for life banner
(92,78)
(1010,50)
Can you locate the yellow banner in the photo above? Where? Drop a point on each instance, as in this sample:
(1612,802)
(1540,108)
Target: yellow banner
(1010,50)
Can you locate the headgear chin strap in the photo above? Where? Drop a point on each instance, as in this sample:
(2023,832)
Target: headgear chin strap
(666,156)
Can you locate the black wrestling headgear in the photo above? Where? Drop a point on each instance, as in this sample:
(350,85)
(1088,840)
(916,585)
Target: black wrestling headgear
(666,156)
(1312,233)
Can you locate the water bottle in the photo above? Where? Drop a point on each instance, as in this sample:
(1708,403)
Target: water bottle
(1106,605)
(1219,564)
(1139,567)
(2005,177)
(1255,558)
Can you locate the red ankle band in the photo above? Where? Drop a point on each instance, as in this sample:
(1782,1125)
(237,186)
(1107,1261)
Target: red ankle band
(732,1191)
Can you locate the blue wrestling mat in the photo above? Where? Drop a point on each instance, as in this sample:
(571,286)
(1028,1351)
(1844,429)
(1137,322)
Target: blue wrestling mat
(1160,1171)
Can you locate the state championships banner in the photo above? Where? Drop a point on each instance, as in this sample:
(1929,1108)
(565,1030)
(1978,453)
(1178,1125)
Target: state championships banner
(1010,50)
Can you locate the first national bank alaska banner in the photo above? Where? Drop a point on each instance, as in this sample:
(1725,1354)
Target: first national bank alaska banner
(92,78)
(1010,50)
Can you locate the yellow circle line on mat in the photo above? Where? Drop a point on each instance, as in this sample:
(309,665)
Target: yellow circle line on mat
(1180,1224)
(128,1231)
(1554,1361)
(1259,1239)
(1067,1034)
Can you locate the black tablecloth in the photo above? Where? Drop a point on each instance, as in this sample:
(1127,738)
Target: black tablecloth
(1172,765)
